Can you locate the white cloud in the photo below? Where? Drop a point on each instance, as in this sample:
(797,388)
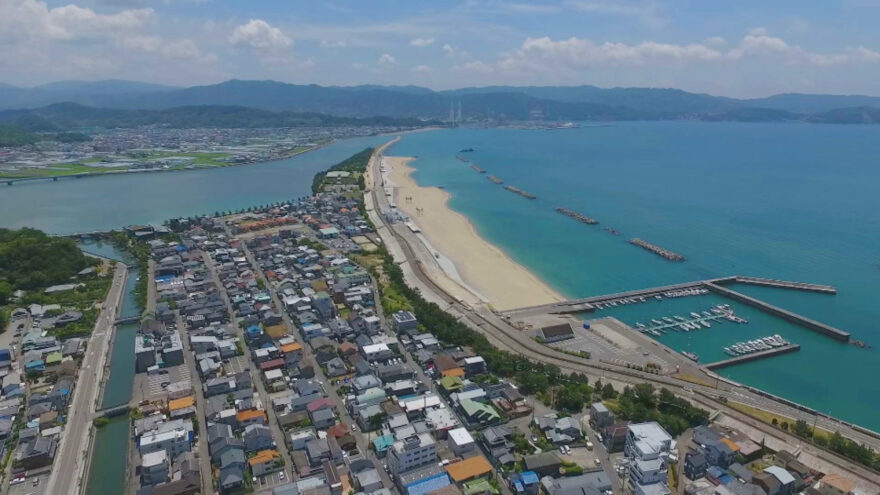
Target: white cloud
(333,44)
(476,66)
(715,41)
(454,52)
(422,69)
(34,20)
(579,53)
(759,43)
(259,34)
(184,49)
(387,60)
(420,42)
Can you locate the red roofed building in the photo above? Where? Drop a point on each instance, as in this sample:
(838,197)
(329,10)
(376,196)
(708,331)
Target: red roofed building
(318,404)
(271,364)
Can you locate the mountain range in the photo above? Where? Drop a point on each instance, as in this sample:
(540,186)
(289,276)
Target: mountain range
(497,102)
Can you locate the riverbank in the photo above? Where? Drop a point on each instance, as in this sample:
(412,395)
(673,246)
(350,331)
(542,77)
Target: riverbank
(484,269)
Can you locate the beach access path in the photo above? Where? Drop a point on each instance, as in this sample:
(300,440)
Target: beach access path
(490,274)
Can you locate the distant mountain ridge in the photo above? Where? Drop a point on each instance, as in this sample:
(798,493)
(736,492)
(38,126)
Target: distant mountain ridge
(499,102)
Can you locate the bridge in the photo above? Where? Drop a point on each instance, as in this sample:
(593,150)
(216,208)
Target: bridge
(112,412)
(128,319)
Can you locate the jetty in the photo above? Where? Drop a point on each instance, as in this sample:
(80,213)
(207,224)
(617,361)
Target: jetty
(785,314)
(495,180)
(477,168)
(753,356)
(577,216)
(659,251)
(519,191)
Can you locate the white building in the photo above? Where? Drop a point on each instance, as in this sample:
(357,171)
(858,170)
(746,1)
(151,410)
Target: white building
(461,442)
(648,445)
(174,442)
(413,452)
(376,352)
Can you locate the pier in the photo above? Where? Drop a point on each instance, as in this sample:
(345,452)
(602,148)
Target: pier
(753,356)
(784,284)
(782,313)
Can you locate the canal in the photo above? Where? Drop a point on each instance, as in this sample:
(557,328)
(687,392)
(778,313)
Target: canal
(109,463)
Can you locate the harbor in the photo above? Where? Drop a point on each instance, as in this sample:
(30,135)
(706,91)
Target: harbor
(697,321)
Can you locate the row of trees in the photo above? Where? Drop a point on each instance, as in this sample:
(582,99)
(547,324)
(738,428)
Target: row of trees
(836,443)
(356,164)
(641,403)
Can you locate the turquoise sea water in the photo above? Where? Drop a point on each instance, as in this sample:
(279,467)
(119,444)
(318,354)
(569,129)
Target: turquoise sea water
(788,201)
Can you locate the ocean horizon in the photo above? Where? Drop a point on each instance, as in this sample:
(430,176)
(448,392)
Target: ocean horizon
(786,201)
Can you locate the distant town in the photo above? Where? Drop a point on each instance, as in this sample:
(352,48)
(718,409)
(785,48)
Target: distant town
(160,148)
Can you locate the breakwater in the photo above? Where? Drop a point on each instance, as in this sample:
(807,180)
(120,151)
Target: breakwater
(577,216)
(477,168)
(495,180)
(803,321)
(753,356)
(659,251)
(519,191)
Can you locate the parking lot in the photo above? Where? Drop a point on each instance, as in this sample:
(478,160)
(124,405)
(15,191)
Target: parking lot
(27,487)
(604,350)
(269,481)
(149,387)
(237,364)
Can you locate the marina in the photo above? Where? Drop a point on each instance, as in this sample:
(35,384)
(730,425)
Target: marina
(659,251)
(577,216)
(696,321)
(519,191)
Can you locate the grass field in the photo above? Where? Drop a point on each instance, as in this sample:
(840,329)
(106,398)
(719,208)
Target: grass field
(768,417)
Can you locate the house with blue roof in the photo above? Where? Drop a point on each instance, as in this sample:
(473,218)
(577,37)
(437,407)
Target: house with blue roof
(526,483)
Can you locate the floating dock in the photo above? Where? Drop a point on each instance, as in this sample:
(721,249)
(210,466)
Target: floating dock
(494,179)
(753,356)
(659,251)
(519,191)
(577,216)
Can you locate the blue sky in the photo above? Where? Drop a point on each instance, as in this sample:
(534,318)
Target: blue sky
(744,49)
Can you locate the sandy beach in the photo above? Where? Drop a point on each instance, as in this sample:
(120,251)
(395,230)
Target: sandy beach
(483,267)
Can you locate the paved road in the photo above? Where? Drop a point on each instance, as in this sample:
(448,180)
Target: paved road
(73,451)
(483,320)
(203,453)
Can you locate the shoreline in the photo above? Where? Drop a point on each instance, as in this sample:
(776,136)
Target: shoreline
(481,268)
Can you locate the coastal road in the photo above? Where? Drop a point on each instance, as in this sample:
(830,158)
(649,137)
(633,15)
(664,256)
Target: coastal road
(73,450)
(483,320)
